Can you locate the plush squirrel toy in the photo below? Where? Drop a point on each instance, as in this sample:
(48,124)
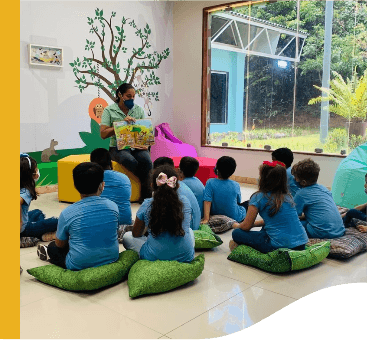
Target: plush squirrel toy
(47,153)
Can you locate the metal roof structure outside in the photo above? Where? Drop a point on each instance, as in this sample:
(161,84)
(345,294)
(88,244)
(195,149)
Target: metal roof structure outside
(241,33)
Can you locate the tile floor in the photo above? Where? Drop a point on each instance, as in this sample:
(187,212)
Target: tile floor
(226,298)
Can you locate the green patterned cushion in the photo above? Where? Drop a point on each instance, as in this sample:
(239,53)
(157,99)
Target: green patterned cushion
(86,279)
(150,277)
(281,260)
(205,238)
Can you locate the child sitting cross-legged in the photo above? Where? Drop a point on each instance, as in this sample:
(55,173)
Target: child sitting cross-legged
(281,225)
(222,195)
(314,203)
(167,215)
(86,234)
(188,167)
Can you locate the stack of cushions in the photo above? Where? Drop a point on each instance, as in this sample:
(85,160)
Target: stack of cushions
(151,277)
(220,223)
(205,238)
(86,279)
(352,243)
(281,260)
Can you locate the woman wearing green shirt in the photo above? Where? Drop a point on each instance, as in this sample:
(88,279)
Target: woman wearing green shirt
(138,159)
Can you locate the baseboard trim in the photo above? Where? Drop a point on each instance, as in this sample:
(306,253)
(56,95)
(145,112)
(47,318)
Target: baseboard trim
(247,180)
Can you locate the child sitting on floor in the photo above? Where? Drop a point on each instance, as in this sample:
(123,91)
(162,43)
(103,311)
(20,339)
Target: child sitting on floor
(359,212)
(185,191)
(87,231)
(188,167)
(286,156)
(222,195)
(167,215)
(321,217)
(32,223)
(117,185)
(282,228)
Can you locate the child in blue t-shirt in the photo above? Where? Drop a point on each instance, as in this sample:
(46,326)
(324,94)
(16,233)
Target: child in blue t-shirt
(188,167)
(185,191)
(281,225)
(117,185)
(167,216)
(87,231)
(222,195)
(286,156)
(314,203)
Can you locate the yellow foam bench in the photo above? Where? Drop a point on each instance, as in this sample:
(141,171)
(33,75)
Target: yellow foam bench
(66,190)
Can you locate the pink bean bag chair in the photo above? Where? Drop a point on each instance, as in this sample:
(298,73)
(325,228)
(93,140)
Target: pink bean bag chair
(167,145)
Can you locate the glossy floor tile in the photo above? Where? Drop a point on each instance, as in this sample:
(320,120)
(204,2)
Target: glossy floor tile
(226,298)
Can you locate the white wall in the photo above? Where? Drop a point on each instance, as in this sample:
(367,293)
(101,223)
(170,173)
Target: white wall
(187,17)
(50,106)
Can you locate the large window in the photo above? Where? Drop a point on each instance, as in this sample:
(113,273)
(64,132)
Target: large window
(281,62)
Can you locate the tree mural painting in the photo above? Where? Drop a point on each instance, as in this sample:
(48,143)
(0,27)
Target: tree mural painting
(140,67)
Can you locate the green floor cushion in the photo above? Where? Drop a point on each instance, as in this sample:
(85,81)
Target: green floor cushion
(151,277)
(86,279)
(352,243)
(220,223)
(281,260)
(205,238)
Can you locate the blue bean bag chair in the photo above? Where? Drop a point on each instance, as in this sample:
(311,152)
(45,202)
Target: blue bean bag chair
(348,185)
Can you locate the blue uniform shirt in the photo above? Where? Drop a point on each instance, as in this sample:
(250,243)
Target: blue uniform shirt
(197,187)
(323,220)
(118,189)
(196,212)
(166,246)
(91,226)
(284,228)
(292,184)
(26,195)
(225,196)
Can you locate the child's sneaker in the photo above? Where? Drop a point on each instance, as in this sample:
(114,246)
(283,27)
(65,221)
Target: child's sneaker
(47,237)
(42,252)
(232,245)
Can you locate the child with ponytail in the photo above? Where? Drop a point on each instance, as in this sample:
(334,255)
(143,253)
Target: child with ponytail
(167,216)
(281,225)
(33,223)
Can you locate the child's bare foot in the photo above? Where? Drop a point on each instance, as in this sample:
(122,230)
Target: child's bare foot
(232,245)
(362,228)
(49,236)
(236,225)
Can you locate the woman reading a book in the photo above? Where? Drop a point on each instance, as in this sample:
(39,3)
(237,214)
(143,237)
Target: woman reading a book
(137,159)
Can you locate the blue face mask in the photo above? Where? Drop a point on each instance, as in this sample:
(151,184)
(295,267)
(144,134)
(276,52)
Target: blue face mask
(129,103)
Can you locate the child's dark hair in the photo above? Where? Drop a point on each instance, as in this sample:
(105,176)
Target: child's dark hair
(163,161)
(87,177)
(167,209)
(26,175)
(284,155)
(102,157)
(189,166)
(306,170)
(273,180)
(122,89)
(226,166)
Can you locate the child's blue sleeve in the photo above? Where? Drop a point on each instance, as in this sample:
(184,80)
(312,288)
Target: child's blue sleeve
(142,211)
(299,203)
(62,232)
(238,195)
(208,192)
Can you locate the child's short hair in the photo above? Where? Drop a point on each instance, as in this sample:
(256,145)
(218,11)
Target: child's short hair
(226,166)
(284,155)
(163,161)
(189,166)
(307,170)
(87,177)
(102,157)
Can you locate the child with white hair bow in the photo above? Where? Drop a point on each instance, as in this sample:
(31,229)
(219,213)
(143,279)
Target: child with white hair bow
(167,217)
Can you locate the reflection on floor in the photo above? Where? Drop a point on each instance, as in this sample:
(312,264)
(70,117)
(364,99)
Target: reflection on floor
(226,298)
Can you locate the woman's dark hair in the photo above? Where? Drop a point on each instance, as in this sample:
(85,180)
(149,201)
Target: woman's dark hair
(122,89)
(26,176)
(226,166)
(284,155)
(102,157)
(87,177)
(189,166)
(273,181)
(307,170)
(167,209)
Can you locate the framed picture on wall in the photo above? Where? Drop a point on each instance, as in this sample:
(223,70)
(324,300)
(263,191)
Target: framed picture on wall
(45,55)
